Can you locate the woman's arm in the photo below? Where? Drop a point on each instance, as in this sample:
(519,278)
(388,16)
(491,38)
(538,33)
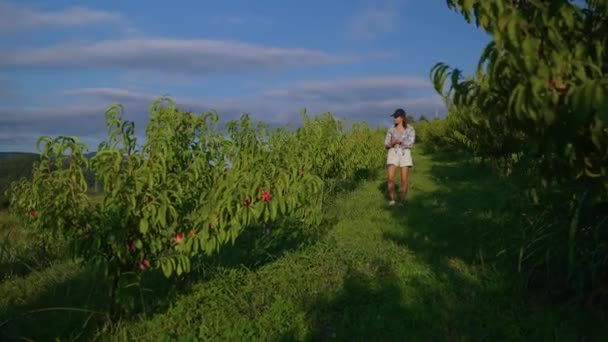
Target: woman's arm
(410,137)
(388,139)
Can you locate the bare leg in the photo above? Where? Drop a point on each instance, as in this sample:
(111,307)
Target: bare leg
(404,182)
(391,182)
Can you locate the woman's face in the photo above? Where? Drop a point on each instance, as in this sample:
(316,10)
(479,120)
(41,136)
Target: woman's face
(398,120)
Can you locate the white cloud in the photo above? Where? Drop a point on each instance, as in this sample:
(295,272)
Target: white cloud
(240,19)
(6,88)
(14,17)
(370,99)
(146,79)
(111,94)
(351,89)
(374,21)
(339,93)
(185,55)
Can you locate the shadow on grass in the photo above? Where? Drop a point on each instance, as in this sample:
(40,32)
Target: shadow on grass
(366,308)
(460,218)
(256,246)
(68,307)
(252,249)
(15,264)
(454,296)
(468,223)
(384,307)
(77,304)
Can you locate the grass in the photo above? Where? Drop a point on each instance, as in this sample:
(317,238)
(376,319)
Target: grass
(425,272)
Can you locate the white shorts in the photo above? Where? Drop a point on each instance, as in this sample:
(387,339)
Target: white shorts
(399,157)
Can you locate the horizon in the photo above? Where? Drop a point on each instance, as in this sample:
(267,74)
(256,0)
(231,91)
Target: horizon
(65,63)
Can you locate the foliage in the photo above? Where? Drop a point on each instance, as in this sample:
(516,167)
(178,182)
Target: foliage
(462,130)
(188,190)
(540,98)
(433,133)
(378,273)
(543,76)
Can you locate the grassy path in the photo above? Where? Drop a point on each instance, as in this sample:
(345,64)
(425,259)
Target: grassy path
(378,273)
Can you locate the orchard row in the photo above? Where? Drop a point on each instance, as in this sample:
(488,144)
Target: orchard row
(190,188)
(538,108)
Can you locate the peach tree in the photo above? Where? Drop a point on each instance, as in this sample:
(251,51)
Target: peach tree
(188,190)
(541,93)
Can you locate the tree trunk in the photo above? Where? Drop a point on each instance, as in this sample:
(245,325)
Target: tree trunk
(114,281)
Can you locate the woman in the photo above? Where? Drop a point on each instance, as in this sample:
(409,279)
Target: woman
(399,141)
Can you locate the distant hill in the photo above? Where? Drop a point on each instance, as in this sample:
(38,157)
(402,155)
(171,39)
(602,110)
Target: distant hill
(4,155)
(13,166)
(16,165)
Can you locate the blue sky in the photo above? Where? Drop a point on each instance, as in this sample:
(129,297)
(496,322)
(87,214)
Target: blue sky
(64,62)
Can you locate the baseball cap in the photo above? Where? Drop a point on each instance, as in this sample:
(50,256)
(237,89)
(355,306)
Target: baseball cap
(398,112)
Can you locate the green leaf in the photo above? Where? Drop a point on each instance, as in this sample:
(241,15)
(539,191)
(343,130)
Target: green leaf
(167,268)
(143,225)
(162,215)
(283,206)
(196,246)
(513,31)
(179,269)
(186,263)
(273,210)
(601,100)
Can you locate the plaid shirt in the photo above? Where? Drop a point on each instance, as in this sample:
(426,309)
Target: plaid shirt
(406,138)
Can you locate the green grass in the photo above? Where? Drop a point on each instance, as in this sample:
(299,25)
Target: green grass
(425,272)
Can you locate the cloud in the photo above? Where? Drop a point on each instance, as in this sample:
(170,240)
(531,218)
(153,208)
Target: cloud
(6,89)
(111,94)
(137,103)
(372,22)
(180,55)
(347,93)
(25,141)
(345,96)
(240,19)
(14,18)
(353,89)
(369,99)
(145,79)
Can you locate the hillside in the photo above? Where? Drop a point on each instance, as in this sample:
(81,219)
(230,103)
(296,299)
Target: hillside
(15,165)
(423,273)
(8,155)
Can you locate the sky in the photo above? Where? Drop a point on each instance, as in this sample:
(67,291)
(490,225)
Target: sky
(63,63)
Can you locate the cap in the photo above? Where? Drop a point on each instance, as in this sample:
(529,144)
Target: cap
(398,112)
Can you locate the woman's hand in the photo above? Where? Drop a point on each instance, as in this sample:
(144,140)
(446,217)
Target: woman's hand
(394,141)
